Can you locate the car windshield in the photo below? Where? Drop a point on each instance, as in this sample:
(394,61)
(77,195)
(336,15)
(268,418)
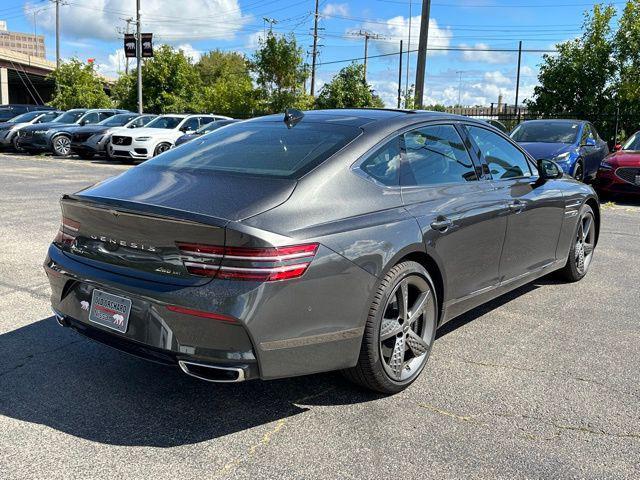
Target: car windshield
(25,117)
(69,117)
(117,120)
(546,132)
(259,148)
(633,143)
(164,122)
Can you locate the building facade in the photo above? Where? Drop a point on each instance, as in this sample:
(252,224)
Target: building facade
(25,43)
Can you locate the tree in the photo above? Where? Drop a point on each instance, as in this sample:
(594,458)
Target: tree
(170,83)
(627,57)
(579,79)
(228,88)
(280,74)
(348,89)
(78,86)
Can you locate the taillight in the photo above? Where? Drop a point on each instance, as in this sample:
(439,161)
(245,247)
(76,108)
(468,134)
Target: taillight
(240,263)
(68,232)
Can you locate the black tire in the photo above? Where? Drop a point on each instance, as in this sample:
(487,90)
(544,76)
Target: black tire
(578,262)
(161,147)
(373,370)
(14,143)
(578,171)
(61,145)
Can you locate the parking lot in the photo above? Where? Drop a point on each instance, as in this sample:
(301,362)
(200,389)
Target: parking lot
(541,383)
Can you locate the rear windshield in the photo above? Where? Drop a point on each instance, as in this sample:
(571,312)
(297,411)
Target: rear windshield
(546,132)
(259,148)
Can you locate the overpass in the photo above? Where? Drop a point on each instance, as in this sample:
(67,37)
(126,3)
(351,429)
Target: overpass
(23,78)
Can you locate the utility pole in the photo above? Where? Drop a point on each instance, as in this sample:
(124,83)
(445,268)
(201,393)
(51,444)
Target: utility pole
(406,81)
(422,52)
(126,65)
(367,35)
(459,72)
(271,22)
(518,79)
(57,34)
(400,76)
(139,55)
(314,53)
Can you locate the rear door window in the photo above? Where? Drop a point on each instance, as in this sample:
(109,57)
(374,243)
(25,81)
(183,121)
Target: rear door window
(384,164)
(436,155)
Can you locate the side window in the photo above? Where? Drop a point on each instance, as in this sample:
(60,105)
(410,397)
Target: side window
(503,159)
(587,133)
(384,164)
(190,124)
(105,115)
(436,155)
(205,120)
(91,118)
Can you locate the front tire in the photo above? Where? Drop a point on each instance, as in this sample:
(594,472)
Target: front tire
(578,171)
(400,330)
(61,145)
(582,248)
(161,147)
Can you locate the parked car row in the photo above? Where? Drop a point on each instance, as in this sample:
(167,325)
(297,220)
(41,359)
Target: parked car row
(579,151)
(108,132)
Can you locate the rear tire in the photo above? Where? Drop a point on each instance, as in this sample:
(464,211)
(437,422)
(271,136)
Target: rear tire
(399,332)
(582,247)
(16,147)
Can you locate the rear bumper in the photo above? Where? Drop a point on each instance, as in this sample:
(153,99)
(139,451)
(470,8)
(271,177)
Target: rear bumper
(283,329)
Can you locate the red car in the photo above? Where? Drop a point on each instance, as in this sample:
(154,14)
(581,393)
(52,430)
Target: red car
(620,171)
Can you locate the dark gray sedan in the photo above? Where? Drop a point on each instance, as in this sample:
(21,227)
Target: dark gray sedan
(325,240)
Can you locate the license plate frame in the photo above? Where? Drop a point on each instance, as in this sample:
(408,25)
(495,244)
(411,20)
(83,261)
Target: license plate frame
(109,310)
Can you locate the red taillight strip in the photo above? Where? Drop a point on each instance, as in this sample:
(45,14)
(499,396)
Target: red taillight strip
(201,313)
(70,224)
(274,258)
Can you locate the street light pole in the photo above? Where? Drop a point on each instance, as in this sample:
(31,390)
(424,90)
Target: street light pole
(139,55)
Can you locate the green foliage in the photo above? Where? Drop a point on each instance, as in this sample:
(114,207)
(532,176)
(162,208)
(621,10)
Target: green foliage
(627,54)
(170,83)
(578,79)
(228,88)
(280,74)
(436,107)
(348,89)
(78,86)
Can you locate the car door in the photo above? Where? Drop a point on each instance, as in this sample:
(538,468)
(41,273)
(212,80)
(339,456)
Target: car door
(463,221)
(536,208)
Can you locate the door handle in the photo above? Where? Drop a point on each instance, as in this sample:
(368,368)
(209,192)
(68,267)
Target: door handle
(516,206)
(441,224)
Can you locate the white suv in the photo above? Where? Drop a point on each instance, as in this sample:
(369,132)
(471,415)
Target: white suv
(157,136)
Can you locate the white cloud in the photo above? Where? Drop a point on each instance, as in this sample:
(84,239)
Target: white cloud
(190,52)
(481,54)
(497,78)
(114,64)
(253,40)
(397,28)
(336,9)
(169,20)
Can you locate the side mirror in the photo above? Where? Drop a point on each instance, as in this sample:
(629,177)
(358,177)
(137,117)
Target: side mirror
(549,170)
(590,142)
(617,147)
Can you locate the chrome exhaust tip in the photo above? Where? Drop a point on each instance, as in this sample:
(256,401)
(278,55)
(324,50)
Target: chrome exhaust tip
(211,373)
(62,321)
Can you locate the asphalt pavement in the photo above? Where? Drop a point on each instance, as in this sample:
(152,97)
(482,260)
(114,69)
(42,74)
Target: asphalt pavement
(541,383)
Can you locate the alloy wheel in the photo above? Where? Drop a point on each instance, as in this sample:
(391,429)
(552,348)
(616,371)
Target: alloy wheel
(578,174)
(585,243)
(163,147)
(62,145)
(407,327)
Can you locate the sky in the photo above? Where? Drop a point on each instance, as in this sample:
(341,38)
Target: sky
(93,29)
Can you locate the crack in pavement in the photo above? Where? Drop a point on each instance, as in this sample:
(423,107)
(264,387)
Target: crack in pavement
(570,375)
(27,290)
(28,358)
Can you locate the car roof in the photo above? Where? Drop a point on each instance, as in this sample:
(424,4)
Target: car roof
(554,120)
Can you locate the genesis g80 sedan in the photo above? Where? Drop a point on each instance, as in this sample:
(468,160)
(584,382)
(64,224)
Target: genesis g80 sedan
(317,241)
